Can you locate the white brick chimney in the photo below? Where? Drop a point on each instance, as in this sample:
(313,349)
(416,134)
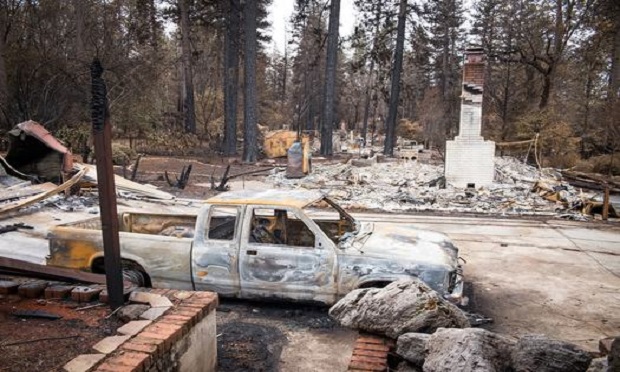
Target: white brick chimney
(469,158)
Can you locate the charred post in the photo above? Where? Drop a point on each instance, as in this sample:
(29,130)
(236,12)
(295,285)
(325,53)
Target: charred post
(182,180)
(102,134)
(606,204)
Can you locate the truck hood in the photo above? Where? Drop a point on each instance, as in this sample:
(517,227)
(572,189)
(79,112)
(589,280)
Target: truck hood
(402,243)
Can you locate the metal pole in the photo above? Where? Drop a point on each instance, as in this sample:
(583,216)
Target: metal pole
(102,133)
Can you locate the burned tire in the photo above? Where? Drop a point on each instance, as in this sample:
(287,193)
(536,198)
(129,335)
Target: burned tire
(135,277)
(132,272)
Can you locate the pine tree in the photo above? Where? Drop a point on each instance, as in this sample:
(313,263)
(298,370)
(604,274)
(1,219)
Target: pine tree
(327,119)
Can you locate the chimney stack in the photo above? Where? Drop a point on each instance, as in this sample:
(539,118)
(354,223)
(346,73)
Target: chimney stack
(469,158)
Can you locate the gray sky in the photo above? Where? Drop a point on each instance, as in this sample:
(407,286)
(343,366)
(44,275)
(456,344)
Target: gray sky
(280,13)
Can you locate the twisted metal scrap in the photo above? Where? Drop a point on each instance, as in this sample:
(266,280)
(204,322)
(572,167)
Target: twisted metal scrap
(99,103)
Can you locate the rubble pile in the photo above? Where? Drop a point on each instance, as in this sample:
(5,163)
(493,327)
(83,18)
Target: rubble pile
(413,186)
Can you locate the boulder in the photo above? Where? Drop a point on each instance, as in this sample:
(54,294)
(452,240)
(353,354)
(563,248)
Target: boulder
(406,367)
(412,347)
(598,365)
(613,358)
(467,350)
(401,307)
(536,353)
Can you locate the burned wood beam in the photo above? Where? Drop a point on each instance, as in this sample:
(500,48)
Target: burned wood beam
(222,186)
(134,171)
(14,227)
(182,180)
(15,173)
(225,178)
(48,272)
(102,133)
(170,183)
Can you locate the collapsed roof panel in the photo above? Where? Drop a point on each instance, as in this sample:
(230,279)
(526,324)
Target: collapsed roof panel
(33,150)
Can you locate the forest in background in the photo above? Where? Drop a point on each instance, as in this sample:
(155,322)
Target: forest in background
(553,70)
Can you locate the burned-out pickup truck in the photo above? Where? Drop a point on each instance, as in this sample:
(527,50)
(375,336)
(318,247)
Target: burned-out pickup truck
(265,244)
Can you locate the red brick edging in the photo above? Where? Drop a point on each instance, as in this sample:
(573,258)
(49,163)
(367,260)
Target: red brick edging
(370,353)
(140,352)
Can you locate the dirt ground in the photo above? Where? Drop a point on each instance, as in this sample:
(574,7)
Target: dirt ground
(255,336)
(47,345)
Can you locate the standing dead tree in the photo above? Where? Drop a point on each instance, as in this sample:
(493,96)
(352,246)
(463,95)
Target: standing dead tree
(182,180)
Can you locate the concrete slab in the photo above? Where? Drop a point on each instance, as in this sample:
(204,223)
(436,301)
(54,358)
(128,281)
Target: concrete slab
(161,301)
(149,298)
(83,363)
(154,313)
(141,297)
(133,328)
(109,344)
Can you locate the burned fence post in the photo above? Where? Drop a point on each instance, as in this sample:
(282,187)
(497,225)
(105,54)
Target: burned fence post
(102,133)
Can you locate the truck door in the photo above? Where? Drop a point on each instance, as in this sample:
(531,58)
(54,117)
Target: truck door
(215,250)
(284,254)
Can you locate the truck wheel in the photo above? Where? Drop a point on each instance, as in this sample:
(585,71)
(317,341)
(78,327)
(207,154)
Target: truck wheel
(132,272)
(134,276)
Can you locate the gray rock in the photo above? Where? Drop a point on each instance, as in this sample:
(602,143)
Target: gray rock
(131,312)
(401,307)
(407,367)
(154,313)
(613,358)
(467,350)
(536,353)
(412,347)
(598,365)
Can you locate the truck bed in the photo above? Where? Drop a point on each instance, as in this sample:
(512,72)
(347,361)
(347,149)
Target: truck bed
(160,243)
(180,226)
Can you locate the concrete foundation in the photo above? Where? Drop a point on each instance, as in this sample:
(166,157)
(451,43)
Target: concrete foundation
(200,347)
(182,339)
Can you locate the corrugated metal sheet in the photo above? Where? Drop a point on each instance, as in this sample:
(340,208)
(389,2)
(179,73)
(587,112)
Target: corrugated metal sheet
(36,130)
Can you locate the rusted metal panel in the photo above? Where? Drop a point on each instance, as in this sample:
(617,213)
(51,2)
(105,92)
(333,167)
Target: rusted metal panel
(36,130)
(277,142)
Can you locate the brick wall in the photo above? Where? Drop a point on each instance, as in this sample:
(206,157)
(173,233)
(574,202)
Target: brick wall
(182,338)
(473,73)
